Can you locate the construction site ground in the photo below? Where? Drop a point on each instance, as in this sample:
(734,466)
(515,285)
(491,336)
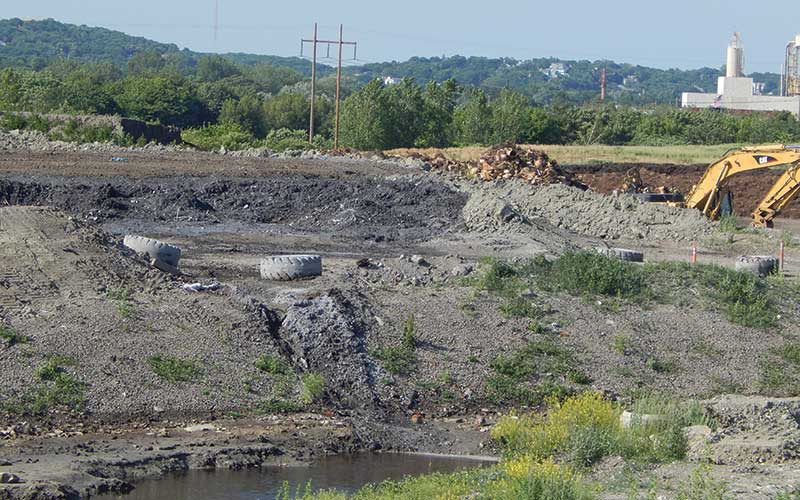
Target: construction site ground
(397,241)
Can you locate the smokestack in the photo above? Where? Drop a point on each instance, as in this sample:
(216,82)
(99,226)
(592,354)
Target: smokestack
(735,62)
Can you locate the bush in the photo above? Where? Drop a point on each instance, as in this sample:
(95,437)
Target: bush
(173,369)
(11,337)
(313,387)
(56,389)
(581,273)
(585,428)
(272,365)
(231,136)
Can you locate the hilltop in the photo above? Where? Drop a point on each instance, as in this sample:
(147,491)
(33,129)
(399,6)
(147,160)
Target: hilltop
(35,44)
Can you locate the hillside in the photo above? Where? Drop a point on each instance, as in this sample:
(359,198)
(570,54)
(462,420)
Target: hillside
(35,44)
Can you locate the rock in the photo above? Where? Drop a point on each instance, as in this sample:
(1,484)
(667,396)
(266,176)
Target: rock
(419,260)
(462,270)
(506,214)
(9,478)
(200,428)
(417,418)
(697,437)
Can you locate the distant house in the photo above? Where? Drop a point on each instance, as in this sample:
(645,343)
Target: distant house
(556,70)
(630,81)
(390,80)
(758,88)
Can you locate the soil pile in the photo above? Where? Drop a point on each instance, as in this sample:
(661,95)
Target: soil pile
(506,161)
(755,429)
(327,335)
(511,206)
(408,207)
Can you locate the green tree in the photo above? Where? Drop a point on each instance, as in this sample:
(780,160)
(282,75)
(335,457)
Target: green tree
(511,118)
(439,103)
(213,68)
(246,112)
(169,100)
(145,62)
(364,120)
(471,119)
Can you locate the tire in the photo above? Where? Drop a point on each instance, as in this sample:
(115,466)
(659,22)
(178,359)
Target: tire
(154,249)
(659,197)
(622,254)
(762,265)
(290,267)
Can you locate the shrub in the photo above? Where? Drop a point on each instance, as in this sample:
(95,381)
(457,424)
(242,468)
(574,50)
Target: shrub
(56,388)
(272,365)
(11,337)
(313,387)
(231,136)
(173,369)
(400,359)
(581,273)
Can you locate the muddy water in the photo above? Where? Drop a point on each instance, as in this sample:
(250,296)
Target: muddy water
(344,473)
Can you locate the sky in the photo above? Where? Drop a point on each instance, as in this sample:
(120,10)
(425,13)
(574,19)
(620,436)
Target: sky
(668,34)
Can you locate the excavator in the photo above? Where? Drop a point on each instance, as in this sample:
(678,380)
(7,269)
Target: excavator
(712,197)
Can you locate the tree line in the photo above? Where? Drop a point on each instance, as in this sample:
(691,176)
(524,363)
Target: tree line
(222,103)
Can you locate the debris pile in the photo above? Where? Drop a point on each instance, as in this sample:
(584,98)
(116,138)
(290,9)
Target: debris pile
(510,161)
(632,183)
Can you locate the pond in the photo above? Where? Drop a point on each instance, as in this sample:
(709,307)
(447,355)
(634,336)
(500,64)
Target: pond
(346,473)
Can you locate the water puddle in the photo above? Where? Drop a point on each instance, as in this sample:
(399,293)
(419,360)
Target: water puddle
(346,473)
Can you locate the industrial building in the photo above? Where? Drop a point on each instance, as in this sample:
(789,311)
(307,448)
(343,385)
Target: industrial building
(736,91)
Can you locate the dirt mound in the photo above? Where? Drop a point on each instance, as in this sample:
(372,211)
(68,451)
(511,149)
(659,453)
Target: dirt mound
(755,430)
(505,161)
(327,334)
(511,206)
(413,207)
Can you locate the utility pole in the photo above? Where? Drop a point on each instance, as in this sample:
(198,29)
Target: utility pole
(603,85)
(314,41)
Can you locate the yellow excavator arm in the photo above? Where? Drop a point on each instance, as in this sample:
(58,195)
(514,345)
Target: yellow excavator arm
(707,195)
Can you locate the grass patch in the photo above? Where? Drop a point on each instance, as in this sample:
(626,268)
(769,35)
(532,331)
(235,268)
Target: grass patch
(745,299)
(272,365)
(400,360)
(56,388)
(277,406)
(313,387)
(585,428)
(174,369)
(122,298)
(780,371)
(11,337)
(518,377)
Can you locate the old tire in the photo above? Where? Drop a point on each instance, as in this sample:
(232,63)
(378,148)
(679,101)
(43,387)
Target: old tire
(622,254)
(290,267)
(154,249)
(659,197)
(762,265)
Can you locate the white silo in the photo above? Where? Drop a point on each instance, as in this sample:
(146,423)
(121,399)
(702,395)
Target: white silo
(791,79)
(735,63)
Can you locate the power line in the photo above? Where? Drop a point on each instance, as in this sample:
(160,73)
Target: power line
(340,43)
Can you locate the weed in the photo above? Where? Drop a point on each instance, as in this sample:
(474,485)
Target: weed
(701,486)
(521,308)
(11,337)
(174,369)
(277,406)
(621,343)
(787,238)
(659,365)
(313,387)
(590,273)
(472,358)
(122,297)
(779,370)
(401,359)
(446,378)
(537,328)
(272,365)
(728,223)
(514,374)
(56,388)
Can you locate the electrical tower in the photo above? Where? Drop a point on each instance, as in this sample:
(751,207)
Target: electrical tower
(314,42)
